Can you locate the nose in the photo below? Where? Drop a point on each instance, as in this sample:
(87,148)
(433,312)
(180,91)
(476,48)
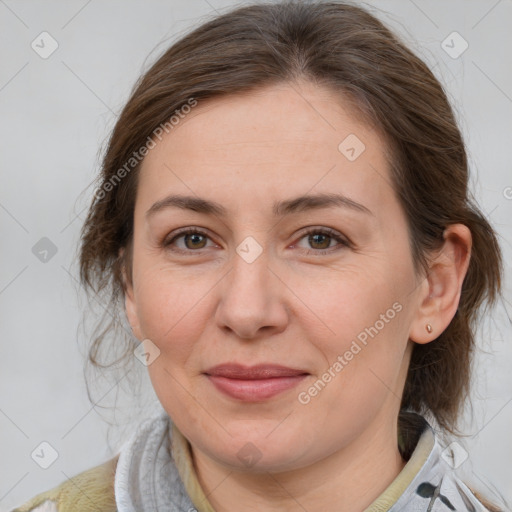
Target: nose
(252,299)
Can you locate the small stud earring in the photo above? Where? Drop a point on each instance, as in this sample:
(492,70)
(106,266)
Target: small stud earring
(429,328)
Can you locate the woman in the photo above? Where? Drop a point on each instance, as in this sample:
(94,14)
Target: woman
(284,214)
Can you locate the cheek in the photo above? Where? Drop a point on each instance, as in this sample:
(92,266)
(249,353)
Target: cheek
(367,321)
(171,310)
(359,303)
(363,366)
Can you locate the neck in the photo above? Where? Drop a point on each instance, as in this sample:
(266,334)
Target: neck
(349,479)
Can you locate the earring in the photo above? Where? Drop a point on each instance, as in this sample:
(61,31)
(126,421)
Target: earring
(429,328)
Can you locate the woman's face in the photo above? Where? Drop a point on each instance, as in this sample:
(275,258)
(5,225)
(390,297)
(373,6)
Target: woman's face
(322,291)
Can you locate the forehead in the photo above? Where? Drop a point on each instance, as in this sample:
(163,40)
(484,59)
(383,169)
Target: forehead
(274,142)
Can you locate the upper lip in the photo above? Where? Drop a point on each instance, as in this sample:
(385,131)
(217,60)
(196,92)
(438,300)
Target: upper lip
(260,371)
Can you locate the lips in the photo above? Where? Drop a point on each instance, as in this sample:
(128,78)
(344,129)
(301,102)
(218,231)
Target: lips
(254,383)
(261,371)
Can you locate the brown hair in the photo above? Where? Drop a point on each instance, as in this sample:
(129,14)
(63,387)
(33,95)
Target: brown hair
(345,48)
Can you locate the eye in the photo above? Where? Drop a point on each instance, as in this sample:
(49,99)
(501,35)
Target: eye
(320,239)
(193,239)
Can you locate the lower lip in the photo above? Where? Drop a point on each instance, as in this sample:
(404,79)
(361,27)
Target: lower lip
(254,390)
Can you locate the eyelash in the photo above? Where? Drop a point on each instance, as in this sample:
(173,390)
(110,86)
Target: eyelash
(323,231)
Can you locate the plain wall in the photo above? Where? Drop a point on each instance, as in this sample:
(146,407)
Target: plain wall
(55,115)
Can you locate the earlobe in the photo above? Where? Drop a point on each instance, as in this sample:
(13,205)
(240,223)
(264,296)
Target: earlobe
(440,293)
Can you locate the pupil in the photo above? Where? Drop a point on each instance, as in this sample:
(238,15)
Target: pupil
(194,238)
(316,241)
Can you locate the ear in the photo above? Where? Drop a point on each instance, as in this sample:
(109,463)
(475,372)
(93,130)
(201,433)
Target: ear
(130,304)
(440,292)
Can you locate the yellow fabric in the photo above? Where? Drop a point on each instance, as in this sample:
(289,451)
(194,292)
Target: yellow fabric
(183,458)
(397,487)
(89,491)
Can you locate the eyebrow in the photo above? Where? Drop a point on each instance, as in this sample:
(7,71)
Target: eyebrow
(279,209)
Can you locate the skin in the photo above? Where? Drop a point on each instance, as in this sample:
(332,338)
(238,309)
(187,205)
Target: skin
(207,305)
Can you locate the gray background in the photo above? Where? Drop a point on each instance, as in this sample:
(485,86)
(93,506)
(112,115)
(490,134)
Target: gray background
(57,112)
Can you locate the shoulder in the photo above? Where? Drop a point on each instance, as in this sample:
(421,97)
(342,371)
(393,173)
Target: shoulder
(91,490)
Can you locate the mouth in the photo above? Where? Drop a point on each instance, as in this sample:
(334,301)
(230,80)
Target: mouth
(254,383)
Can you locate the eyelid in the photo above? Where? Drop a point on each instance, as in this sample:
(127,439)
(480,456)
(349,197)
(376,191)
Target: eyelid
(168,239)
(343,241)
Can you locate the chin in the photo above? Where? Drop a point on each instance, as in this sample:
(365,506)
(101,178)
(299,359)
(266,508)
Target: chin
(256,451)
